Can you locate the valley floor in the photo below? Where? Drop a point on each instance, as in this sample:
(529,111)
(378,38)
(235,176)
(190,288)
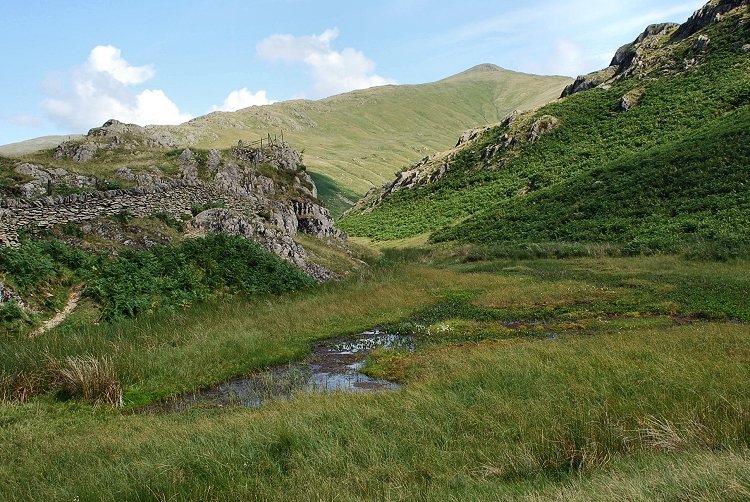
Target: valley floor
(574,379)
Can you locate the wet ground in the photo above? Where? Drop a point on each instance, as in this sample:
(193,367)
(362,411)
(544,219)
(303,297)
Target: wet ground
(333,365)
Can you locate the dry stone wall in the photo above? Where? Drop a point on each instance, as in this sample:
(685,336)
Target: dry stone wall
(175,197)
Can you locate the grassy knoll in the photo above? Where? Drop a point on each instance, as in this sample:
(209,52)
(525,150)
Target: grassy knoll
(536,379)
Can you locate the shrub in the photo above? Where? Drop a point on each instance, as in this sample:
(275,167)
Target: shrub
(29,264)
(11,311)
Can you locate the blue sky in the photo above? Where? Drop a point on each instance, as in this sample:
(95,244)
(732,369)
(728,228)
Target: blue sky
(69,66)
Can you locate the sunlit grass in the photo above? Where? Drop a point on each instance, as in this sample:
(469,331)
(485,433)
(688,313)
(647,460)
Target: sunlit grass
(513,394)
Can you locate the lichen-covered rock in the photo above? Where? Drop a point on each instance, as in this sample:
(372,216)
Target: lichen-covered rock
(627,55)
(631,99)
(589,81)
(188,166)
(43,180)
(306,185)
(9,295)
(141,179)
(77,151)
(541,126)
(213,161)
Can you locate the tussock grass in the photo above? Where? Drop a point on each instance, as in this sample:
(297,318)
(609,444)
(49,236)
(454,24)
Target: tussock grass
(495,420)
(90,379)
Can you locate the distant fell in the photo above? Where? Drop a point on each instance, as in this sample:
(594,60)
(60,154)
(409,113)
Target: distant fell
(34,145)
(357,140)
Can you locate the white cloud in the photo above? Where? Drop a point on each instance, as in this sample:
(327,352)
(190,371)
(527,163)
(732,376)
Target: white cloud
(242,98)
(108,59)
(100,90)
(333,72)
(569,58)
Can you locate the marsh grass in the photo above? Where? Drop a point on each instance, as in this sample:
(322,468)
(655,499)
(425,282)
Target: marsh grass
(90,379)
(519,419)
(625,400)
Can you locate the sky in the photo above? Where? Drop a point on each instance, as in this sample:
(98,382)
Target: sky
(69,66)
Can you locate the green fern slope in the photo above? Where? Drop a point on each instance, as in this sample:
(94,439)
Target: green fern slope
(655,159)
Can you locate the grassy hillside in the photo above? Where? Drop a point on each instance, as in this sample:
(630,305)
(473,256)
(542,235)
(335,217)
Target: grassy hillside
(359,139)
(669,174)
(34,145)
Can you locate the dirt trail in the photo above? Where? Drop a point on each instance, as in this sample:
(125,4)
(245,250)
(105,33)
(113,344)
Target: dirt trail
(74,296)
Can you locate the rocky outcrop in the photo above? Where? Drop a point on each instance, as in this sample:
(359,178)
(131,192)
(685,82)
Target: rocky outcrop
(629,55)
(272,239)
(542,126)
(278,154)
(631,99)
(315,220)
(188,166)
(113,134)
(76,151)
(141,179)
(269,210)
(710,13)
(119,133)
(627,58)
(642,55)
(589,81)
(43,181)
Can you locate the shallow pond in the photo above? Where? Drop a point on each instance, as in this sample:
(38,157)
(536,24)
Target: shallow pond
(333,365)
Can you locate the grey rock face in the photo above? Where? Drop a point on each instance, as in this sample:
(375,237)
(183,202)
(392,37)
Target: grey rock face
(625,55)
(79,152)
(214,161)
(188,166)
(710,13)
(315,220)
(44,179)
(142,179)
(581,83)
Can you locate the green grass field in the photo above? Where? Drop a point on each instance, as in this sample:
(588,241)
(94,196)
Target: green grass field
(535,379)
